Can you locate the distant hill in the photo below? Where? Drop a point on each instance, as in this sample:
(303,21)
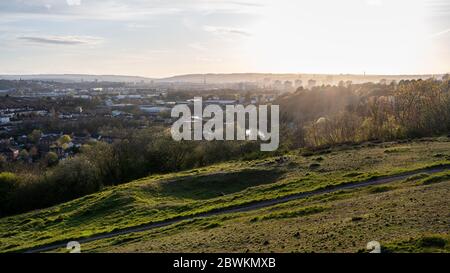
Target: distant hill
(219,78)
(76,78)
(226,78)
(259,77)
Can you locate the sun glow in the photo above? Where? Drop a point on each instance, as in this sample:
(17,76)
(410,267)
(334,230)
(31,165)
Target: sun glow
(350,36)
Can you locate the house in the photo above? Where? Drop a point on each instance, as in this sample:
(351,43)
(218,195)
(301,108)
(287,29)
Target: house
(154,110)
(49,139)
(11,154)
(122,114)
(79,139)
(58,150)
(106,139)
(4,120)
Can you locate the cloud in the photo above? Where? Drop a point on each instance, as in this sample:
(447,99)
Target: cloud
(86,9)
(198,46)
(119,9)
(227,30)
(374,2)
(209,60)
(73,2)
(437,34)
(139,26)
(62,40)
(248,4)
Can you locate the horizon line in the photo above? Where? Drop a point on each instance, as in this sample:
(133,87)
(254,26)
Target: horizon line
(218,73)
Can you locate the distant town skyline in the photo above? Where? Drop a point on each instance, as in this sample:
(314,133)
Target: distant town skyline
(166,38)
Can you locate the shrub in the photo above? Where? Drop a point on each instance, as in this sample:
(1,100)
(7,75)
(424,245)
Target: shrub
(8,178)
(356,218)
(51,159)
(432,241)
(8,184)
(314,165)
(436,178)
(74,177)
(2,162)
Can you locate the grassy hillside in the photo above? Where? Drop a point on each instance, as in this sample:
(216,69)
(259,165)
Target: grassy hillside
(407,216)
(400,213)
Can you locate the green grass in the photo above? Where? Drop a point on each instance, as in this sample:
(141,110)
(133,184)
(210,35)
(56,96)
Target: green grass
(397,150)
(434,243)
(161,197)
(417,177)
(295,213)
(436,178)
(346,224)
(380,189)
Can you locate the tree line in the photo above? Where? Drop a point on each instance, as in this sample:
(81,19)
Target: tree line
(330,115)
(139,154)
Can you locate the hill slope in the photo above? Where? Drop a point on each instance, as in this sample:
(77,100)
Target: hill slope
(76,78)
(161,197)
(403,217)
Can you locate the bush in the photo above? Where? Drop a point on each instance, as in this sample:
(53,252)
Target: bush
(432,241)
(2,162)
(436,178)
(141,153)
(51,159)
(74,177)
(8,184)
(7,177)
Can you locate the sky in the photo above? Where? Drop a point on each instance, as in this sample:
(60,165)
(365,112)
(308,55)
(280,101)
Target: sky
(160,38)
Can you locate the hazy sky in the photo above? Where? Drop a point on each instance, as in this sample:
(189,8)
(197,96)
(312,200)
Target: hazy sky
(165,37)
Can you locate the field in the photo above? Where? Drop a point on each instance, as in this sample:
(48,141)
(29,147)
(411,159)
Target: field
(410,215)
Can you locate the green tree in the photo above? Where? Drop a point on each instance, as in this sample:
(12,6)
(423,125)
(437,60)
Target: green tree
(64,139)
(35,136)
(8,183)
(73,178)
(51,159)
(2,162)
(24,155)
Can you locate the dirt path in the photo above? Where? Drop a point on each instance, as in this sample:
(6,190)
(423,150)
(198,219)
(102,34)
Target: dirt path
(243,208)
